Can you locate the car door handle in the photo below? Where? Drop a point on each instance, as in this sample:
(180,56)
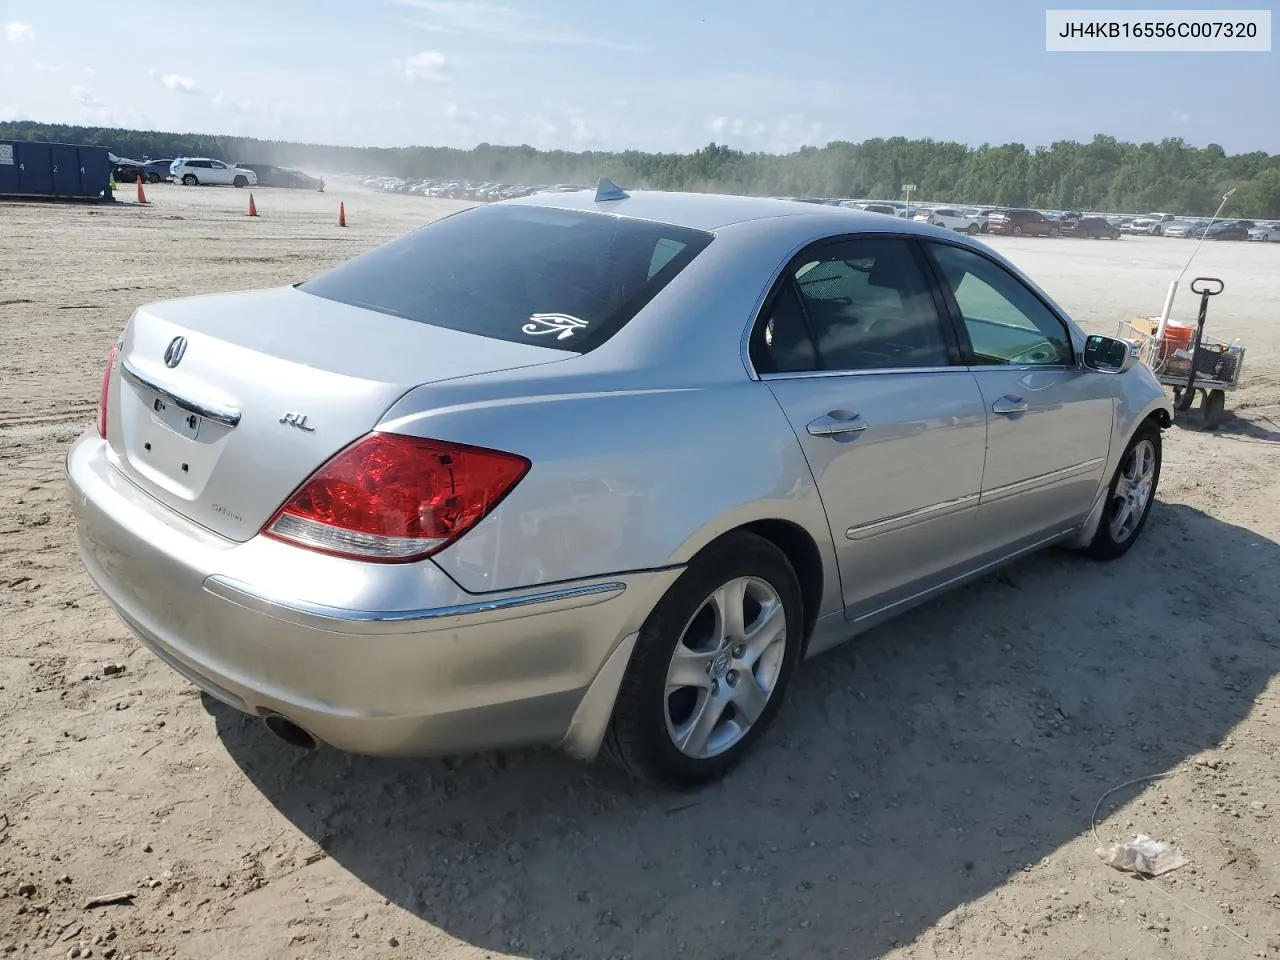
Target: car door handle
(1009,404)
(836,423)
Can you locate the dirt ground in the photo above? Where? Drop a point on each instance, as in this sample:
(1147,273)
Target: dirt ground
(926,792)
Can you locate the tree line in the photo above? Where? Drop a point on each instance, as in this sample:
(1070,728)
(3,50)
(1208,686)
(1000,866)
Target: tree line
(1103,174)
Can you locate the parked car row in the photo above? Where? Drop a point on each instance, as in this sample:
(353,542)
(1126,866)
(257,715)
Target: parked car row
(970,220)
(486,191)
(193,171)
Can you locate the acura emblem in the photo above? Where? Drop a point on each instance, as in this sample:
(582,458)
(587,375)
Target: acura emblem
(173,353)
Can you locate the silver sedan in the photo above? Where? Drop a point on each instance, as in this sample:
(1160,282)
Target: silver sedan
(593,469)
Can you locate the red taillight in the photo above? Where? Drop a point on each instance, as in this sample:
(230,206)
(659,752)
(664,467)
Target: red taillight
(104,391)
(390,498)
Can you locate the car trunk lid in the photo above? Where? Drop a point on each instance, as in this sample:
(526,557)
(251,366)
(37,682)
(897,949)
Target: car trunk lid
(223,405)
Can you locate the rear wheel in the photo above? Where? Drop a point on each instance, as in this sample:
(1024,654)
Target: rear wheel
(153,178)
(710,666)
(1129,499)
(189,179)
(972,230)
(1054,231)
(240,181)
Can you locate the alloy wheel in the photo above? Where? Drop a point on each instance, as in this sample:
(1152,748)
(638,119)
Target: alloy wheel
(725,667)
(1133,490)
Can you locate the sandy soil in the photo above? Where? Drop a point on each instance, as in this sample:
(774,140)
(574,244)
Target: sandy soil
(927,791)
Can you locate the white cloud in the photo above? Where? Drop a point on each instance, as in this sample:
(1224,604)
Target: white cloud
(19,33)
(723,126)
(493,21)
(221,101)
(429,65)
(46,68)
(580,130)
(173,81)
(1179,116)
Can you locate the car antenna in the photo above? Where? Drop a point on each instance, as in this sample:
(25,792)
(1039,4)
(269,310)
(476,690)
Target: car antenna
(606,189)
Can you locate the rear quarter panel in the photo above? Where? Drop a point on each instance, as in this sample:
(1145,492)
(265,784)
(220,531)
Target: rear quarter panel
(624,478)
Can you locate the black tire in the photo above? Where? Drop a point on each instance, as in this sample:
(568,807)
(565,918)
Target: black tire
(1213,406)
(1105,545)
(153,178)
(1086,235)
(1054,231)
(240,181)
(972,230)
(638,738)
(189,179)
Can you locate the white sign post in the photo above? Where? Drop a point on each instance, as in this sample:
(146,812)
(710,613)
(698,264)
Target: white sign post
(907,188)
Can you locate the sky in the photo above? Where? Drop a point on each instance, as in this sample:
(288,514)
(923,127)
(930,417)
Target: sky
(669,75)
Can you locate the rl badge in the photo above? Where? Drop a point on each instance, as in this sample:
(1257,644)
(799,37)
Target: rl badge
(299,420)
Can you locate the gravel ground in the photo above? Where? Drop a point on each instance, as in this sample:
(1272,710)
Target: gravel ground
(927,790)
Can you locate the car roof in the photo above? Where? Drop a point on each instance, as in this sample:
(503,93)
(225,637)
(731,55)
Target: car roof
(702,211)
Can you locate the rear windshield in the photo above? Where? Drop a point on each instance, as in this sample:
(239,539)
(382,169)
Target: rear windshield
(556,278)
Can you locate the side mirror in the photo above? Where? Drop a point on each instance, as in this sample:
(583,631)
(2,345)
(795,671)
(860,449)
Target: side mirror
(1109,354)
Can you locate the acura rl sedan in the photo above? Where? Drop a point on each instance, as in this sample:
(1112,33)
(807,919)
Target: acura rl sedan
(593,469)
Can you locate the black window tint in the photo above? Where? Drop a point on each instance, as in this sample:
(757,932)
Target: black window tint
(555,278)
(786,344)
(869,307)
(1006,322)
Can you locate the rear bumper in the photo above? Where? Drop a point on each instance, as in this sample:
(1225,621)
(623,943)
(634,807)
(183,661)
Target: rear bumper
(369,658)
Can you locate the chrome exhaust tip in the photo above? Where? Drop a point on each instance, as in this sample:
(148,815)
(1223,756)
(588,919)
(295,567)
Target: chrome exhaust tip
(288,731)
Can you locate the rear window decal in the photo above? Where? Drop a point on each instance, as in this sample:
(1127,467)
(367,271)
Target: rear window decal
(561,324)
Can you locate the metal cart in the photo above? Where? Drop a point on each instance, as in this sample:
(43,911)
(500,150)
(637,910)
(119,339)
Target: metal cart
(1217,365)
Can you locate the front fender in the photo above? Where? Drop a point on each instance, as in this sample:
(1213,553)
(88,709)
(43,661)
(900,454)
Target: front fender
(1139,397)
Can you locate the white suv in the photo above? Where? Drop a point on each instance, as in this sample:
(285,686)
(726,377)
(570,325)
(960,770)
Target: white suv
(965,221)
(196,170)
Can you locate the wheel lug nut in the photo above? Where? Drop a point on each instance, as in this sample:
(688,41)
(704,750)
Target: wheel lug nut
(738,651)
(715,687)
(732,677)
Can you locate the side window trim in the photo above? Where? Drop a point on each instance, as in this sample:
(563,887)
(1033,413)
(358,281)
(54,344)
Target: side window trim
(957,317)
(948,318)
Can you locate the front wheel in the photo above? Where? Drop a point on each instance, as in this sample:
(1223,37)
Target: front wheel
(153,178)
(1129,498)
(190,180)
(1054,231)
(710,666)
(240,181)
(972,230)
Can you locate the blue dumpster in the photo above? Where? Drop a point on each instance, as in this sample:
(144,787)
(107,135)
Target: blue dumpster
(29,168)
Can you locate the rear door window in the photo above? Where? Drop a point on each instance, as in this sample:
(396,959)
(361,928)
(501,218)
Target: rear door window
(564,279)
(862,304)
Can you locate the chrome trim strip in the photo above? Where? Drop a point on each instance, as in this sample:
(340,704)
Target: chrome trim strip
(932,512)
(208,409)
(343,620)
(1041,480)
(1019,367)
(878,372)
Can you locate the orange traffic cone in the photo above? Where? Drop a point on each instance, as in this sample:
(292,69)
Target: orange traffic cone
(253,207)
(142,197)
(342,214)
